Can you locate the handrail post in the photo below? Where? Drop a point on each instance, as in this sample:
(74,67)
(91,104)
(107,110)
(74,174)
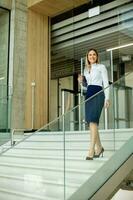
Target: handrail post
(33,84)
(112,68)
(112,79)
(106,118)
(9,105)
(63,128)
(63,102)
(12,137)
(81,66)
(79,113)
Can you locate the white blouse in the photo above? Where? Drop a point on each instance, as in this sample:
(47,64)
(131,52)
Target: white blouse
(98,76)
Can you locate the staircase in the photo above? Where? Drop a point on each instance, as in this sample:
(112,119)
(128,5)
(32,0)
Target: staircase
(35,168)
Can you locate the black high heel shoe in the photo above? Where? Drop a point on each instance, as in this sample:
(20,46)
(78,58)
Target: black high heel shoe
(101,153)
(89,158)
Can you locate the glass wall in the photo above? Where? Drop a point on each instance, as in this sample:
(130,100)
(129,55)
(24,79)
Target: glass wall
(110,32)
(4,61)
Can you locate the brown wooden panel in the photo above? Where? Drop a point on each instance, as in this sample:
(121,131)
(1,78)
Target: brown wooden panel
(37,69)
(54,7)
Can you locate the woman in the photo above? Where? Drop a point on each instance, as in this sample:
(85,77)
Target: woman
(95,78)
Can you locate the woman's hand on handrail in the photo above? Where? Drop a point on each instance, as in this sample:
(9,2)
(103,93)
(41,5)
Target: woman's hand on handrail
(80,78)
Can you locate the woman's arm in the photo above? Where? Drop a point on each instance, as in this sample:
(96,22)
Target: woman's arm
(82,80)
(106,85)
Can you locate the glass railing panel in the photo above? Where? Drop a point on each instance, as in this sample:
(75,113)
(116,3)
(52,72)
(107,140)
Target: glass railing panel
(54,126)
(54,155)
(44,161)
(77,168)
(70,146)
(69,98)
(113,137)
(123,102)
(123,108)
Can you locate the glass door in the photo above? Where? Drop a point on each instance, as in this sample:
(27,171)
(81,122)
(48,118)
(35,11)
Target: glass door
(4,62)
(122,60)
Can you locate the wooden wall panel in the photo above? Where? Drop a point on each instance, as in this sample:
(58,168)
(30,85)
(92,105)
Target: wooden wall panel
(54,7)
(37,69)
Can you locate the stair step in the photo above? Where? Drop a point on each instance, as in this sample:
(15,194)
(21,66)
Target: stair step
(51,173)
(80,136)
(44,140)
(7,194)
(78,152)
(103,131)
(34,168)
(106,143)
(52,161)
(36,185)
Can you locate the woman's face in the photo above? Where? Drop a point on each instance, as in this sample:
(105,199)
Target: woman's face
(92,57)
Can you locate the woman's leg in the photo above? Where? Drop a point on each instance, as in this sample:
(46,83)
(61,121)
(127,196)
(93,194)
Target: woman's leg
(93,138)
(98,143)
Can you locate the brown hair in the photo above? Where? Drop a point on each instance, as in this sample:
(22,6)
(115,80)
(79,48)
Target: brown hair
(87,61)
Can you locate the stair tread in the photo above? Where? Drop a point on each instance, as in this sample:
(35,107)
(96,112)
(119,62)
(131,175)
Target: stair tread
(77,140)
(49,168)
(68,158)
(30,179)
(37,197)
(104,131)
(48,148)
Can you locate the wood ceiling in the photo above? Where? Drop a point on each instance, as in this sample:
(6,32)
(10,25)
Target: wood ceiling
(54,7)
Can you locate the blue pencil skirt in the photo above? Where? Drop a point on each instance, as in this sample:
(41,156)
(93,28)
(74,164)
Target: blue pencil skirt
(93,106)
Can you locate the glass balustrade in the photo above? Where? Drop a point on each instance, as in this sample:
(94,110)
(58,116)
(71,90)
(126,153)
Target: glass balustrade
(74,147)
(66,140)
